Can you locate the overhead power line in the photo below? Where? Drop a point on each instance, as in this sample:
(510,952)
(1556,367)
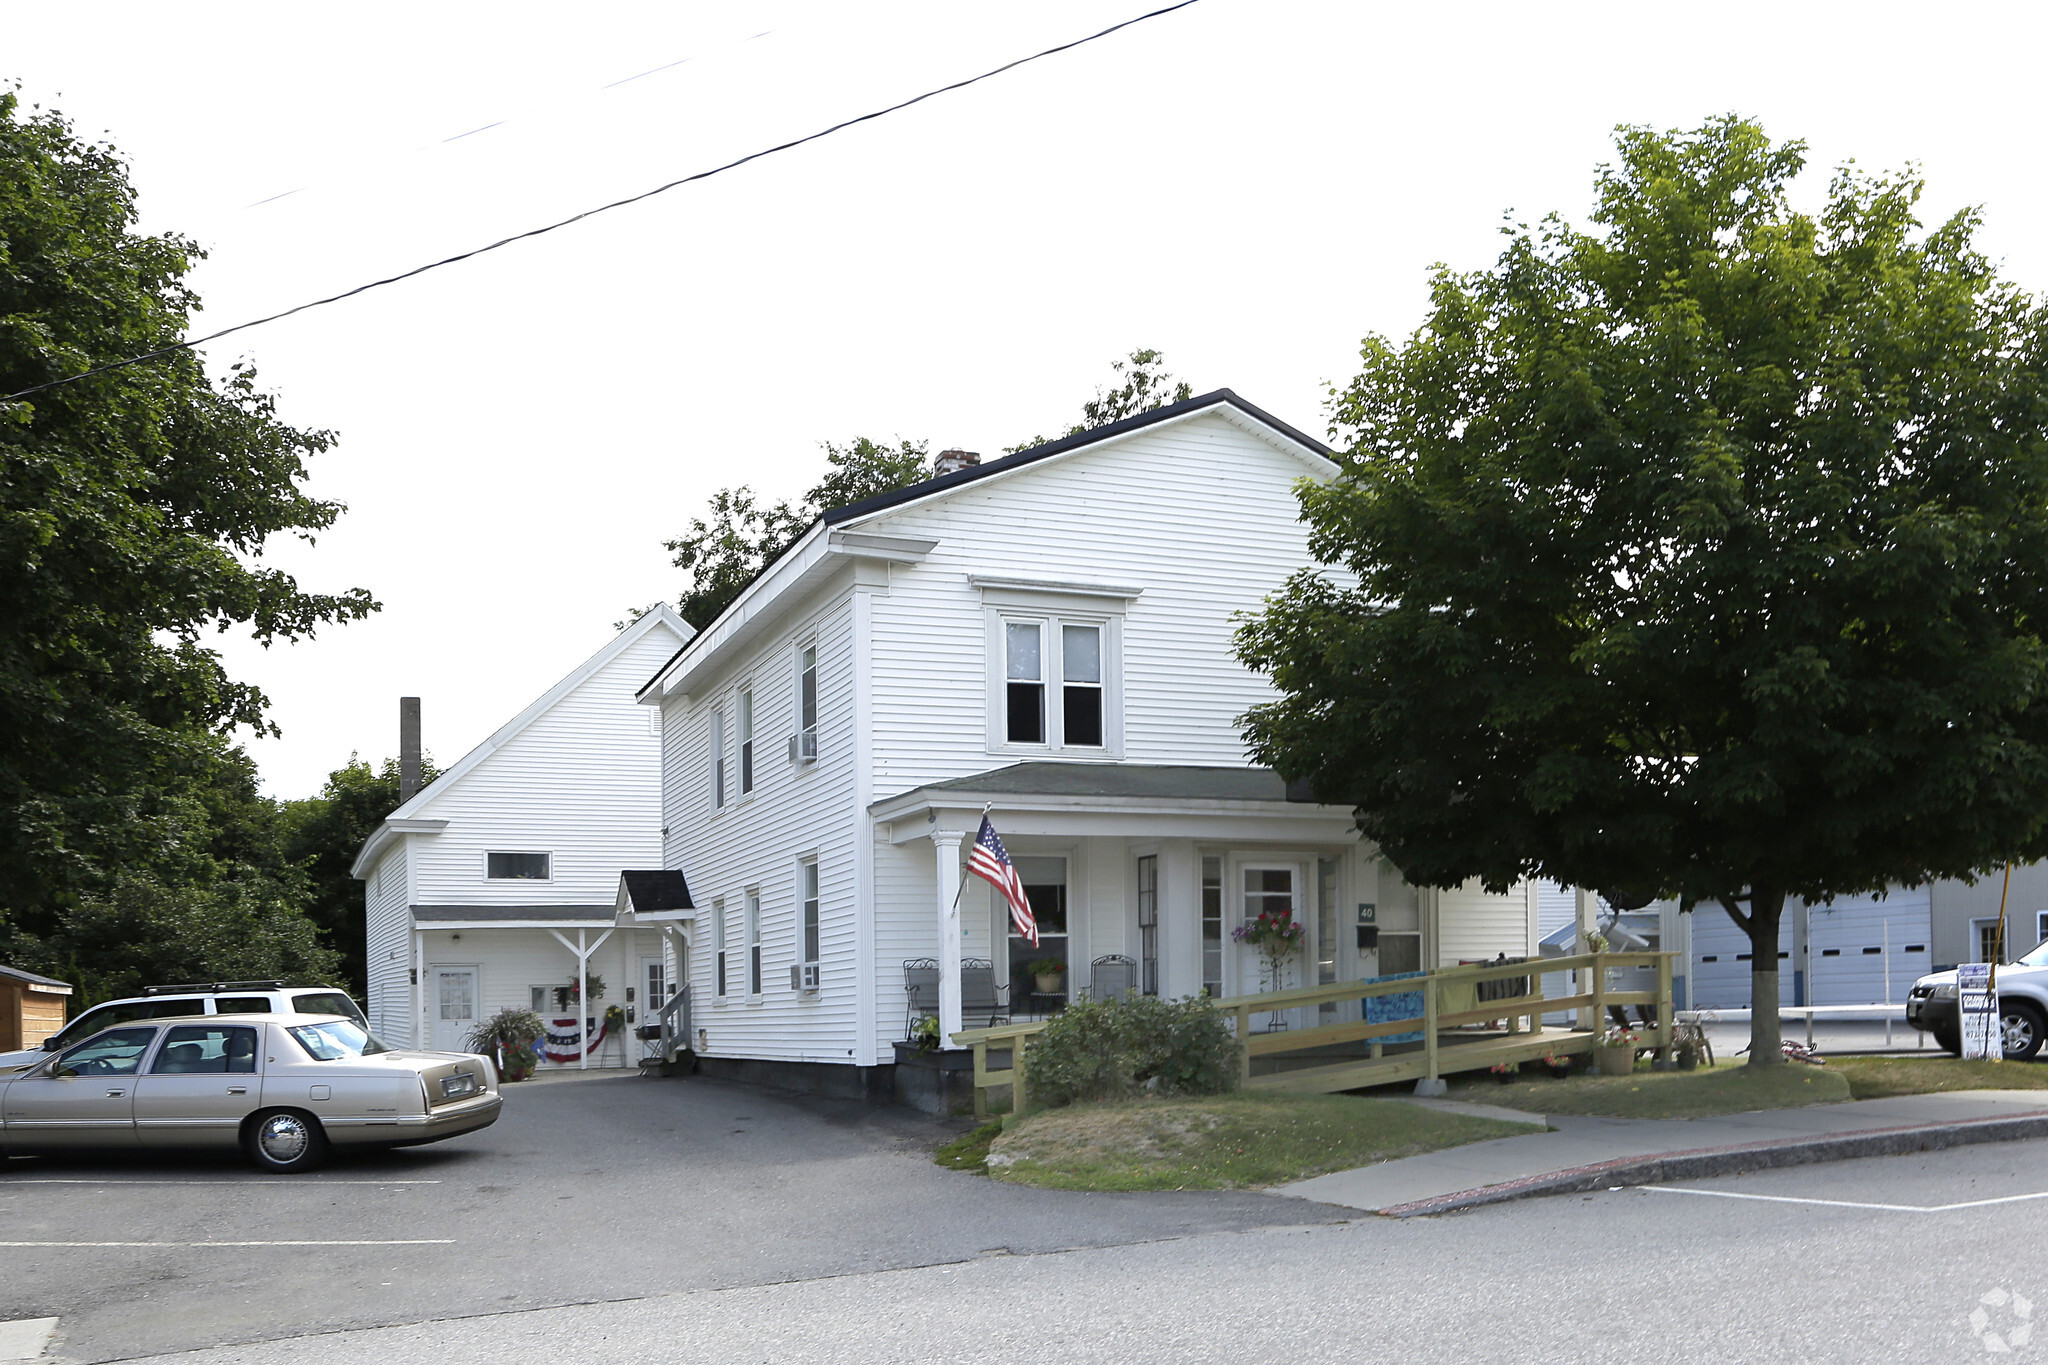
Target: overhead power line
(602,208)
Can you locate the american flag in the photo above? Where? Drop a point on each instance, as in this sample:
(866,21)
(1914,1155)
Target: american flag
(990,861)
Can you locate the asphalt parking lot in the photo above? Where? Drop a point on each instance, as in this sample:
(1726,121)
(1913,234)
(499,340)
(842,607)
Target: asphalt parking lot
(588,1189)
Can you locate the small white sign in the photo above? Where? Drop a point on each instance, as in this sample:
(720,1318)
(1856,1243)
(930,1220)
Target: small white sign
(1979,1009)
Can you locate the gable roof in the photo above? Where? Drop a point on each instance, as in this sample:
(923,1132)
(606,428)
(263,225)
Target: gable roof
(1246,414)
(662,615)
(946,483)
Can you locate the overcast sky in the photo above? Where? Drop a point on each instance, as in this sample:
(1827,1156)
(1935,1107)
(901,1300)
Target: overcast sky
(1248,185)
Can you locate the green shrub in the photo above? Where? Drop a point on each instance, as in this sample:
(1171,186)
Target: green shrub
(1137,1044)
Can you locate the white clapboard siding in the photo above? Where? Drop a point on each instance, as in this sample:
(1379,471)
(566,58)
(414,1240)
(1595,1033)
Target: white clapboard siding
(579,782)
(389,949)
(1201,515)
(796,811)
(1474,925)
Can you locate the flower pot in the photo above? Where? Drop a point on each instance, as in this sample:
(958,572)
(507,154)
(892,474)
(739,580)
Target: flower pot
(1688,1060)
(1504,1077)
(1048,983)
(1617,1061)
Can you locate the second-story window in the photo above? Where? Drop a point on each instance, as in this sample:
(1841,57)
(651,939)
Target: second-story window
(717,760)
(806,704)
(1081,686)
(1024,672)
(746,741)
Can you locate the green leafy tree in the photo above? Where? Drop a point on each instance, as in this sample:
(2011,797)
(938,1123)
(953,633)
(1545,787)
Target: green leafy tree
(1142,384)
(323,835)
(1704,554)
(134,511)
(725,549)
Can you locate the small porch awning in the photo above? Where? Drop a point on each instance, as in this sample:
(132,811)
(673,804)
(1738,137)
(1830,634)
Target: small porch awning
(659,896)
(1132,800)
(510,916)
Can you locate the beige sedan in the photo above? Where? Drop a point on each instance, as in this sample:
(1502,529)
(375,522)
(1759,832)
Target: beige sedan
(284,1088)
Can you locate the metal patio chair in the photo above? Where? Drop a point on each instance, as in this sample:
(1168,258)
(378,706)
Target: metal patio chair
(1112,976)
(921,985)
(980,997)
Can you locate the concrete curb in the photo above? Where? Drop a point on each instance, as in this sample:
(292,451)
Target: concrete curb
(1657,1167)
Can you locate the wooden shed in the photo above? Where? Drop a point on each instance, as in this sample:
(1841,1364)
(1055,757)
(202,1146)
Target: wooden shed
(31,1008)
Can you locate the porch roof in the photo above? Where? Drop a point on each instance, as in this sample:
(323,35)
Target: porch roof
(510,916)
(1127,799)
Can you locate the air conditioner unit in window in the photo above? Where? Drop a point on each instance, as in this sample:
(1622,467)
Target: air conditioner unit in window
(803,748)
(803,976)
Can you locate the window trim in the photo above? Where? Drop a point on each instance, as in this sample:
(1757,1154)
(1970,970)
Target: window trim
(810,911)
(1052,620)
(806,644)
(547,853)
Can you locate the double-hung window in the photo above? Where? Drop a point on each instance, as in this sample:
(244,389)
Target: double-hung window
(1054,683)
(1148,924)
(805,747)
(753,943)
(809,913)
(746,718)
(718,946)
(718,760)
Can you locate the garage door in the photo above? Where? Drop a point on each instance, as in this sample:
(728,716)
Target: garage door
(1720,958)
(1846,946)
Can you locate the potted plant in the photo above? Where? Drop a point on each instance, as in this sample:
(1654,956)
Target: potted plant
(509,1036)
(1617,1051)
(1559,1067)
(924,1034)
(1275,934)
(1046,972)
(1505,1072)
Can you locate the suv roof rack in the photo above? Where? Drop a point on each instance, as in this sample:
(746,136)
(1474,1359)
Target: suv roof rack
(191,986)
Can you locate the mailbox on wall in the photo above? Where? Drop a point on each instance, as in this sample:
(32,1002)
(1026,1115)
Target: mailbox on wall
(1368,937)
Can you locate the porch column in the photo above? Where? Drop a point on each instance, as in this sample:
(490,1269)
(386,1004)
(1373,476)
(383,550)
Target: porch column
(946,848)
(1180,919)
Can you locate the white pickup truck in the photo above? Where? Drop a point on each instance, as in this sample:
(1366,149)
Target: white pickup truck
(2022,1006)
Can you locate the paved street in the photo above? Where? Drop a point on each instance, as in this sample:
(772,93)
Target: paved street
(1685,1274)
(589,1188)
(690,1221)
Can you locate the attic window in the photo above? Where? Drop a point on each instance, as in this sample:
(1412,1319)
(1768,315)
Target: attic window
(517,867)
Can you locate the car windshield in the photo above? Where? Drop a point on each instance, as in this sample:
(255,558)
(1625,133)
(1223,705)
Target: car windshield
(2037,958)
(332,1042)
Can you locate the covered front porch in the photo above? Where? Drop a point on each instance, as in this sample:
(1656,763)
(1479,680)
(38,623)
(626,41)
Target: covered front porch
(595,974)
(1143,878)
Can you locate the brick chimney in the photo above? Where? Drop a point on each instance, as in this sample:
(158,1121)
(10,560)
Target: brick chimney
(408,748)
(952,461)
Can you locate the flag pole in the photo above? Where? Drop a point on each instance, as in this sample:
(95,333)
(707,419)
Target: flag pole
(961,890)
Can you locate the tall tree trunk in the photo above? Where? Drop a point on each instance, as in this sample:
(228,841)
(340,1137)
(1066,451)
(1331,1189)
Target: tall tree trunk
(1766,1033)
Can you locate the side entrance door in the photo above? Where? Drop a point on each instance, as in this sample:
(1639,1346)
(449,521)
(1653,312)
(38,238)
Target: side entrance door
(1273,888)
(452,1007)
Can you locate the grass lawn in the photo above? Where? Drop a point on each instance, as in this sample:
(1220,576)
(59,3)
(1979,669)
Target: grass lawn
(1730,1088)
(1214,1143)
(1874,1078)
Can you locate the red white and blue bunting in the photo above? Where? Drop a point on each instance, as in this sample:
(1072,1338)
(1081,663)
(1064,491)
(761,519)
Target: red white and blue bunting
(564,1044)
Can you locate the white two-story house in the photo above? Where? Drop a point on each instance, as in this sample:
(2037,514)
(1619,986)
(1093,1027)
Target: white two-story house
(1045,638)
(499,883)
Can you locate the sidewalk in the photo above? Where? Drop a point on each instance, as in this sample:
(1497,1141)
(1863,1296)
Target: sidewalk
(1590,1153)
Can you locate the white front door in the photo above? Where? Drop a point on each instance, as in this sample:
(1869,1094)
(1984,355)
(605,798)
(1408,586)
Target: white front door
(653,989)
(1274,889)
(451,1007)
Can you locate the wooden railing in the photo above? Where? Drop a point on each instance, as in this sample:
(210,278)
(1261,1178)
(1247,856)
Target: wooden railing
(1450,1000)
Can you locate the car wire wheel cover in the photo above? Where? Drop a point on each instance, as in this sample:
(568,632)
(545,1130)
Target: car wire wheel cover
(284,1138)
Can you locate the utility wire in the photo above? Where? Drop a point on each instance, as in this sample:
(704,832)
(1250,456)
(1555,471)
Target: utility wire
(602,208)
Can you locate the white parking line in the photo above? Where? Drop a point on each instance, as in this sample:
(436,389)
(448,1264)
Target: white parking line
(253,1180)
(409,1242)
(1847,1203)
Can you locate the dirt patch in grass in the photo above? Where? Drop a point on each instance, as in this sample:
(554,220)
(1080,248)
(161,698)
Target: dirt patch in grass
(1875,1078)
(1731,1088)
(1222,1143)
